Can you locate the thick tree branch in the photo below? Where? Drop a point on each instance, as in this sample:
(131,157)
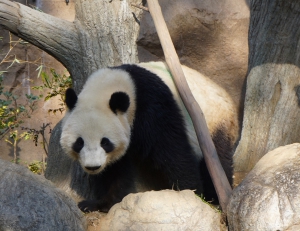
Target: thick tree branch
(53,35)
(9,15)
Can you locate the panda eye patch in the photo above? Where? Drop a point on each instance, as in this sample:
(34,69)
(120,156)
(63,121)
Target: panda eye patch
(107,145)
(78,145)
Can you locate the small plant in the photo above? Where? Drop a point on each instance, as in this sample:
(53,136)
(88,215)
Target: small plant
(12,114)
(215,207)
(57,84)
(36,167)
(34,134)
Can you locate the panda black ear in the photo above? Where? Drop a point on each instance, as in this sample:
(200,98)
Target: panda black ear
(119,101)
(70,98)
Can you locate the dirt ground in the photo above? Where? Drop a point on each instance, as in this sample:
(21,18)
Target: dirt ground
(93,220)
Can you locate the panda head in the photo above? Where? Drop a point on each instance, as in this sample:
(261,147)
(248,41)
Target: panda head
(96,129)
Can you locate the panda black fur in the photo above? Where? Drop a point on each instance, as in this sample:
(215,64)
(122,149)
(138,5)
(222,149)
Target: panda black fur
(129,120)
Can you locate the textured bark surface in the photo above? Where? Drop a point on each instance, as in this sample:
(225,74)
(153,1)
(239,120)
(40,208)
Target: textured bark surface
(107,31)
(271,116)
(30,202)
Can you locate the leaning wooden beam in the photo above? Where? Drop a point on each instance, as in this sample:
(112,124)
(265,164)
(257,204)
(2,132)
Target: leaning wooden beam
(214,166)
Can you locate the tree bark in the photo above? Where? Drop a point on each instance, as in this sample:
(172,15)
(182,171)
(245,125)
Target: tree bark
(271,115)
(103,34)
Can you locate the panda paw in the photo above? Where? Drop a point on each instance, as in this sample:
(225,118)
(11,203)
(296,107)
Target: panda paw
(87,206)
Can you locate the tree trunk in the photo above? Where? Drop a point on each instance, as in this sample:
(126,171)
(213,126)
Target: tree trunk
(103,34)
(271,115)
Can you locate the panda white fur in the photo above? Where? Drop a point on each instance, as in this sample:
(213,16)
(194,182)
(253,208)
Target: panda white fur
(129,120)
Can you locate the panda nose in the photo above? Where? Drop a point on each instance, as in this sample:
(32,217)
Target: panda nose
(93,168)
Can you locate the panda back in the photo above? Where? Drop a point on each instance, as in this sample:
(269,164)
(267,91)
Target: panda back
(217,106)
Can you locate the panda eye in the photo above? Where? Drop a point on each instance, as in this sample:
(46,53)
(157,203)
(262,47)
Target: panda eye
(78,145)
(107,145)
(104,141)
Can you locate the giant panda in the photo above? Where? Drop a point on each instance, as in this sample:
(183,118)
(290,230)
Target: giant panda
(129,127)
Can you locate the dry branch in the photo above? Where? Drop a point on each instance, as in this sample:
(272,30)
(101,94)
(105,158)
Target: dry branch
(214,166)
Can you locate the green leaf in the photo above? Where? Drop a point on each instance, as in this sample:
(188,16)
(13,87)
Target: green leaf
(46,80)
(22,108)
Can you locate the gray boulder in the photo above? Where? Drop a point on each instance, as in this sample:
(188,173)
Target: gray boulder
(30,202)
(269,197)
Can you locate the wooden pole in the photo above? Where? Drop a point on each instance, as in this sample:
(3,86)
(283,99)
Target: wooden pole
(214,166)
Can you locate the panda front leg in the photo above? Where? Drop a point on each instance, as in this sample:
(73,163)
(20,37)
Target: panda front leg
(111,186)
(93,205)
(188,177)
(114,195)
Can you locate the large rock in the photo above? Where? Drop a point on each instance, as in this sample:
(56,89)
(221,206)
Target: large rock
(269,197)
(30,202)
(162,210)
